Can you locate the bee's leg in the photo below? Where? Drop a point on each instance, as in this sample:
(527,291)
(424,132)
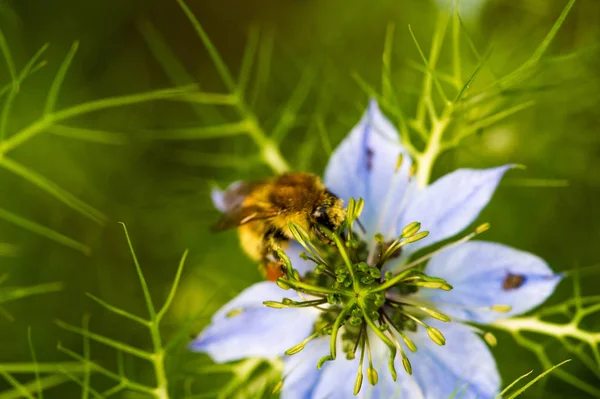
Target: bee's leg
(272,264)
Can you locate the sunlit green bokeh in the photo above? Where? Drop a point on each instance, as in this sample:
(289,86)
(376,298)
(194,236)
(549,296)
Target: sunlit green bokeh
(139,164)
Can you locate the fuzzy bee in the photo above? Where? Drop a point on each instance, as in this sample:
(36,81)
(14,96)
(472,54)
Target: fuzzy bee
(263,209)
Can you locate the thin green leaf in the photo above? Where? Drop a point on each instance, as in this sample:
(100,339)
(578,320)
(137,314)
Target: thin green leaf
(14,293)
(119,311)
(512,384)
(107,373)
(91,135)
(174,287)
(490,120)
(58,79)
(46,383)
(177,73)
(536,379)
(53,189)
(8,59)
(212,50)
(7,249)
(204,132)
(40,391)
(8,103)
(290,111)
(106,103)
(43,231)
(248,60)
(29,368)
(263,70)
(386,70)
(539,52)
(138,269)
(142,354)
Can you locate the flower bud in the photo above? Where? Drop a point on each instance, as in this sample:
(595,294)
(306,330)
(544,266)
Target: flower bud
(320,269)
(375,272)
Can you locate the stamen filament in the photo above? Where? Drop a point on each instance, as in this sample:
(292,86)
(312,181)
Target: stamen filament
(393,281)
(304,239)
(359,375)
(372,376)
(309,287)
(299,347)
(342,248)
(336,326)
(382,336)
(430,312)
(480,229)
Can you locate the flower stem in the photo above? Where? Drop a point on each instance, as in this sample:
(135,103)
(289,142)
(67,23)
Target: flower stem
(433,149)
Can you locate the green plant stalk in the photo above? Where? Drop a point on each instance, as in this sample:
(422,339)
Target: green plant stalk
(427,158)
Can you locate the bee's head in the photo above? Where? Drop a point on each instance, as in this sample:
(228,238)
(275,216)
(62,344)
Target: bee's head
(329,213)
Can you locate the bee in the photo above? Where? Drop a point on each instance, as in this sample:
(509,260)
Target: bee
(263,209)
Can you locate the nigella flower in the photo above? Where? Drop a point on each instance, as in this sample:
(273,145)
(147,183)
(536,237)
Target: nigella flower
(367,305)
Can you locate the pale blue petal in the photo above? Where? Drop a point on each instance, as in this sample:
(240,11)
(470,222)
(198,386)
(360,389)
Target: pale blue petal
(300,370)
(218,199)
(338,377)
(464,367)
(451,203)
(364,165)
(477,270)
(256,331)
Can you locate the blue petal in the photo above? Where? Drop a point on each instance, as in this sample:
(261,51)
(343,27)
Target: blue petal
(463,368)
(338,377)
(218,199)
(300,370)
(364,165)
(451,203)
(478,271)
(244,327)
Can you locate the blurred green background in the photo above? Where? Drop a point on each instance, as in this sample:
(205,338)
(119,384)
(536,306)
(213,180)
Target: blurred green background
(307,50)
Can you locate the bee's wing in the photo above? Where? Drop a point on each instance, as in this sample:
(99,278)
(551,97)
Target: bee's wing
(236,213)
(243,215)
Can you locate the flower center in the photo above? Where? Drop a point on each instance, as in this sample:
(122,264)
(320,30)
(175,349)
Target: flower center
(357,299)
